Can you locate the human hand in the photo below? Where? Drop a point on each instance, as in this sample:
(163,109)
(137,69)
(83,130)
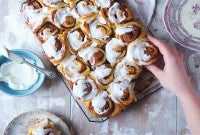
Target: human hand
(173,76)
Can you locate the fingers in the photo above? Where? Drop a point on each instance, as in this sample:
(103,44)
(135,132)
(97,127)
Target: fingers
(155,70)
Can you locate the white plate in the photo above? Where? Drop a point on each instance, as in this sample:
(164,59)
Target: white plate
(22,123)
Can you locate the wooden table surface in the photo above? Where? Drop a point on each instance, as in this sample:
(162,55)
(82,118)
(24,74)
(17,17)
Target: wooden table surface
(158,114)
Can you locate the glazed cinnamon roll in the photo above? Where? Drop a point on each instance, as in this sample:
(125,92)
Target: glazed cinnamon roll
(103,106)
(115,51)
(142,51)
(103,3)
(127,71)
(53,3)
(73,69)
(103,75)
(130,31)
(46,30)
(85,89)
(92,55)
(86,9)
(97,29)
(76,40)
(122,93)
(55,49)
(33,14)
(116,14)
(65,18)
(44,127)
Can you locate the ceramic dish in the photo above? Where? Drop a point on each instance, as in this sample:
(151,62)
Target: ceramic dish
(182,21)
(28,55)
(23,122)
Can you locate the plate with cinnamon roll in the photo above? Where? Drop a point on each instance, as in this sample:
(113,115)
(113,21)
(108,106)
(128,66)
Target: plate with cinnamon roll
(97,47)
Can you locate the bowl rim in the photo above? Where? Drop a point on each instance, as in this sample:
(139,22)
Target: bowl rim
(39,82)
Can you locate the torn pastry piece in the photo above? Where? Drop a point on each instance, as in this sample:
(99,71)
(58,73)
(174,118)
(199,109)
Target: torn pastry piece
(142,51)
(102,105)
(76,40)
(121,92)
(92,55)
(127,71)
(115,51)
(85,89)
(103,3)
(129,32)
(116,14)
(44,127)
(86,9)
(65,18)
(97,29)
(33,14)
(53,3)
(56,49)
(103,75)
(46,30)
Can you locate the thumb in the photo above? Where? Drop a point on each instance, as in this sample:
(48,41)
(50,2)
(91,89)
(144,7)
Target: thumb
(155,70)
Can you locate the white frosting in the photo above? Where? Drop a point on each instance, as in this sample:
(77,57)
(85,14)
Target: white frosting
(50,50)
(87,53)
(18,76)
(124,29)
(137,52)
(52,3)
(95,32)
(103,3)
(34,17)
(46,34)
(112,55)
(62,13)
(117,89)
(71,69)
(114,13)
(80,86)
(83,8)
(99,102)
(74,40)
(101,72)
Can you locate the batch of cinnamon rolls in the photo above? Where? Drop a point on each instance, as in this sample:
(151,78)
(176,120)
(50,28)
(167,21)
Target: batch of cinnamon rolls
(96,45)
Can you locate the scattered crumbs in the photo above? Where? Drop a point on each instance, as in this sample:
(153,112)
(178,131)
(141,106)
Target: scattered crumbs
(149,133)
(116,130)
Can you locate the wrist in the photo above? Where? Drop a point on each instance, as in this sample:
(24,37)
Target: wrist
(186,93)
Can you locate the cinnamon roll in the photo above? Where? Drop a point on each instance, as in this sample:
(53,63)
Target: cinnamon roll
(103,106)
(55,49)
(116,14)
(76,40)
(122,93)
(142,51)
(97,29)
(115,51)
(85,89)
(92,55)
(33,14)
(130,31)
(65,18)
(73,69)
(46,30)
(127,71)
(53,3)
(44,127)
(103,75)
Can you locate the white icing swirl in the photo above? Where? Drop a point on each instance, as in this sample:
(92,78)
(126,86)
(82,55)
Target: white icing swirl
(99,102)
(52,3)
(71,69)
(61,14)
(115,15)
(83,8)
(34,17)
(74,40)
(111,54)
(80,89)
(124,29)
(103,3)
(50,50)
(137,52)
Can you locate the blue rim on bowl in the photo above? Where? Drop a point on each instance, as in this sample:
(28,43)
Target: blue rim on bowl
(29,55)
